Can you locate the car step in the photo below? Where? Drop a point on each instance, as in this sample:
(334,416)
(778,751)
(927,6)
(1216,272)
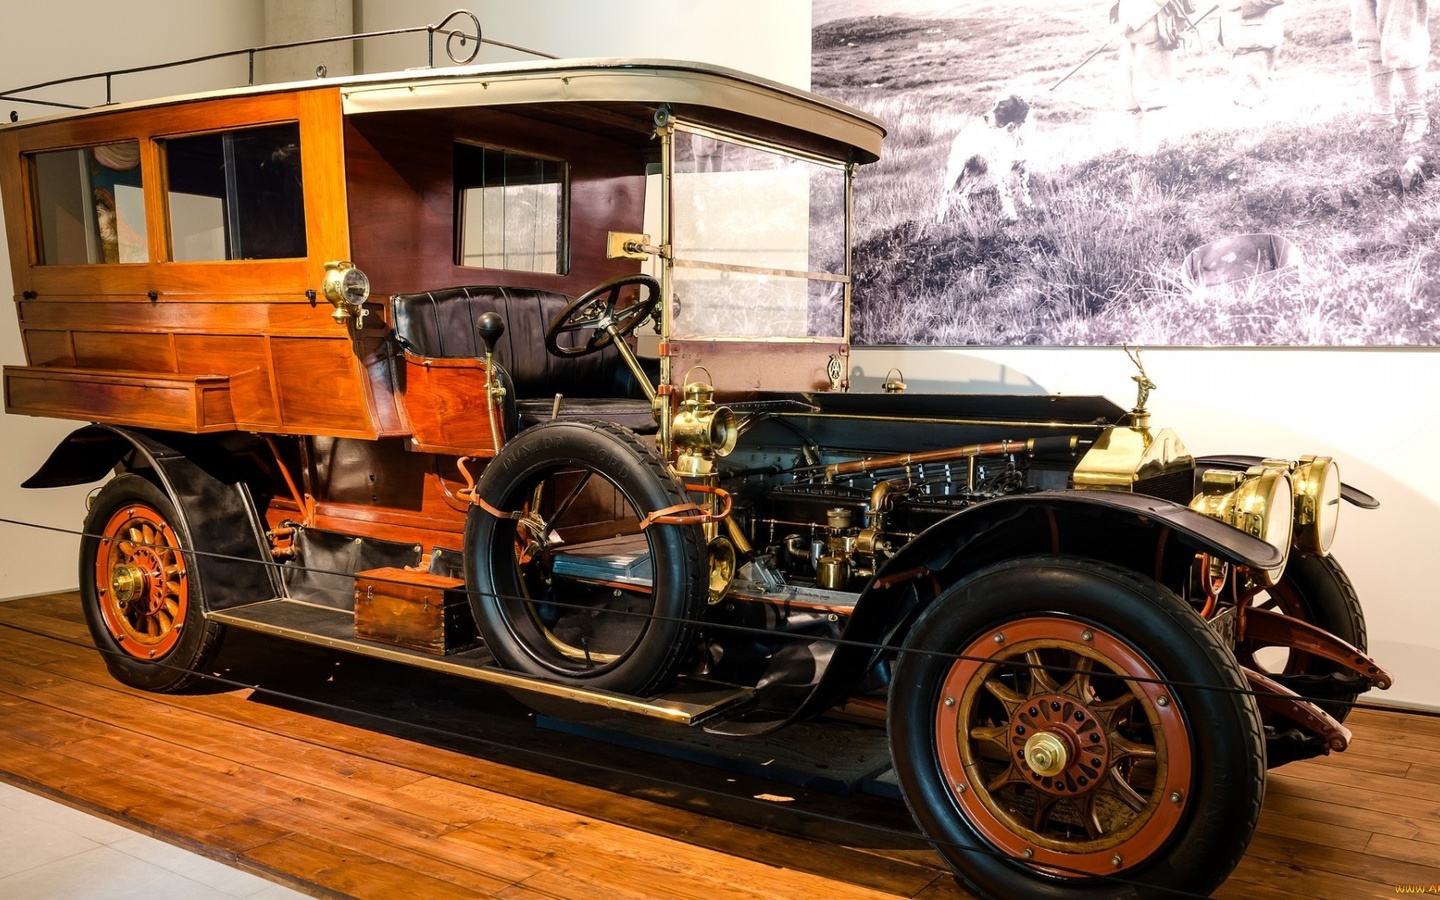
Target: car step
(687,702)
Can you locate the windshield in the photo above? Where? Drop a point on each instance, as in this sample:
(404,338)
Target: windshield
(758,241)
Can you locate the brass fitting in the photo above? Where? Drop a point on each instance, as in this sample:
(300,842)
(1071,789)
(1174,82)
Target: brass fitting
(702,430)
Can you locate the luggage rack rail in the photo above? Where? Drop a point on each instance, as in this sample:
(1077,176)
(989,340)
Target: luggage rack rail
(460,45)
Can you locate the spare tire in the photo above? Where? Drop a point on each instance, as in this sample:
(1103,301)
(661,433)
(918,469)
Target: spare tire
(564,581)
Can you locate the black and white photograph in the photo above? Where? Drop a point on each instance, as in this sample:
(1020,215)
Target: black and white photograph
(1188,173)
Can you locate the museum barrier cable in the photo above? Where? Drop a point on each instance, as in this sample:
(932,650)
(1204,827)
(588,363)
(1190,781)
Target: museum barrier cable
(748,630)
(301,701)
(812,815)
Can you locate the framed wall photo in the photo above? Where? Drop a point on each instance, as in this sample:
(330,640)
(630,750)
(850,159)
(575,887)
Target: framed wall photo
(1187,173)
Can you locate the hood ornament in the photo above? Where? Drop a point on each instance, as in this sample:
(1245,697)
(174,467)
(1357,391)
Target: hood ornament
(1140,416)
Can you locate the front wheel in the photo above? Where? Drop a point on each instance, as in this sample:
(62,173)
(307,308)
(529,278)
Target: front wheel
(140,589)
(1066,728)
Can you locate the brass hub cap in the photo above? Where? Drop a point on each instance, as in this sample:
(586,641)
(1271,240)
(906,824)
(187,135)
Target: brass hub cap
(1063,747)
(141,578)
(128,582)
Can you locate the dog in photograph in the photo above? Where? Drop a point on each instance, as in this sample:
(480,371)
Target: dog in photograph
(992,144)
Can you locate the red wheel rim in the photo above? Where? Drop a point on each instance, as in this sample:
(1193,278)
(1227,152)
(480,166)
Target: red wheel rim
(141,582)
(1110,762)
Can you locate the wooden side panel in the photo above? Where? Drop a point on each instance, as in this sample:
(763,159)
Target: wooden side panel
(213,317)
(255,315)
(318,385)
(134,352)
(247,360)
(49,348)
(446,403)
(191,404)
(16,227)
(322,149)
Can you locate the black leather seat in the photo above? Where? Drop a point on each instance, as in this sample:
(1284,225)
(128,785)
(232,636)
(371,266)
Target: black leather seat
(441,324)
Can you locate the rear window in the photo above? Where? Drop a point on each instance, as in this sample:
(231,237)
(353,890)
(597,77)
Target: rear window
(236,195)
(89,205)
(510,210)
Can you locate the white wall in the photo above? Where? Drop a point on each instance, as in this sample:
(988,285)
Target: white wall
(766,37)
(1378,412)
(57,39)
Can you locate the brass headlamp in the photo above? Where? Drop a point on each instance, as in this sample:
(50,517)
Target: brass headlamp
(347,288)
(702,430)
(1258,501)
(1317,502)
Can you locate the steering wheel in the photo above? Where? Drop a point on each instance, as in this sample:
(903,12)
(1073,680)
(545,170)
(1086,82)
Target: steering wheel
(595,311)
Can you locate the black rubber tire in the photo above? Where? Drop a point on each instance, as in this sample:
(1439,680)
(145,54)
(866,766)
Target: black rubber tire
(1194,850)
(1315,589)
(177,663)
(658,629)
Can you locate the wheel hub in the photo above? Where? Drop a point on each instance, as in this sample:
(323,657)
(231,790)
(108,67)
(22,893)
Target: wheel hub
(1060,743)
(1055,755)
(127,582)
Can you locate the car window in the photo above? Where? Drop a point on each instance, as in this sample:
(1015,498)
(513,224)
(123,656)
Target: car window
(510,210)
(236,194)
(89,205)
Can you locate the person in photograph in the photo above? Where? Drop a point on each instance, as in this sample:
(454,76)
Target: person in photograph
(1151,32)
(1252,30)
(1392,38)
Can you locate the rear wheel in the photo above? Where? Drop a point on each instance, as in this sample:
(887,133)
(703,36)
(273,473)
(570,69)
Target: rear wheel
(142,597)
(565,582)
(1058,724)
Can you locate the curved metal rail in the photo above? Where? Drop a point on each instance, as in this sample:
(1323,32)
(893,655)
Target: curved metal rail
(460,45)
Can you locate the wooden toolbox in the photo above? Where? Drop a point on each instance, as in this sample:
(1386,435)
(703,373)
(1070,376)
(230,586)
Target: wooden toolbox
(424,612)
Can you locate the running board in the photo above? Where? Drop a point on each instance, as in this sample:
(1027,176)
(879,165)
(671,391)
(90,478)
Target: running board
(685,703)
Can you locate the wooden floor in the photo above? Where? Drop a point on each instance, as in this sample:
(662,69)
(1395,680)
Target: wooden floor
(341,776)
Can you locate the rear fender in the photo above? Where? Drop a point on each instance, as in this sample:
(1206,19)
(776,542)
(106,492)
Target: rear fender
(215,505)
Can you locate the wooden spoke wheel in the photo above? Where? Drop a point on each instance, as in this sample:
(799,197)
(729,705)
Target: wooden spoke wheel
(140,586)
(1055,753)
(142,581)
(1066,728)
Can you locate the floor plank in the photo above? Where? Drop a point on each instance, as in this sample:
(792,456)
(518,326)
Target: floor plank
(349,777)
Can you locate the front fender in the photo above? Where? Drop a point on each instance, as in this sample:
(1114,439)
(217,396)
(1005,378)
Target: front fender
(1143,533)
(215,504)
(1057,515)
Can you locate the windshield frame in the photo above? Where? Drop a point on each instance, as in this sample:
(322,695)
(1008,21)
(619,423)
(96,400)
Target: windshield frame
(672,257)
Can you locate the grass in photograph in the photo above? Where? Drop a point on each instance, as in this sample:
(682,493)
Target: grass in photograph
(1098,258)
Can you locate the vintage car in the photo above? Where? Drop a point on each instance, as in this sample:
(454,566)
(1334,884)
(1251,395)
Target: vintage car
(537,374)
